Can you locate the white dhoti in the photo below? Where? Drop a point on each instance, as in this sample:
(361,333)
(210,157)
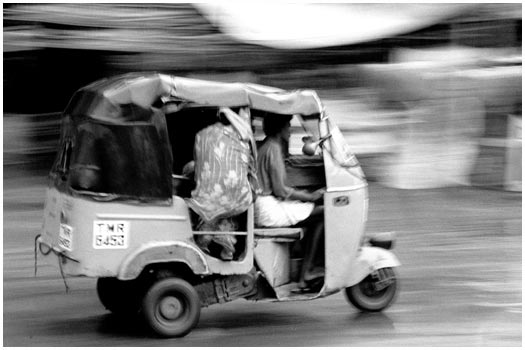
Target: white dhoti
(273,212)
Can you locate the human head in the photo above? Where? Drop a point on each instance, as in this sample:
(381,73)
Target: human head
(277,126)
(221,117)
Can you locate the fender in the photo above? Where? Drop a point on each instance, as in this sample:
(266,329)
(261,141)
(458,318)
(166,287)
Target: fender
(370,259)
(162,252)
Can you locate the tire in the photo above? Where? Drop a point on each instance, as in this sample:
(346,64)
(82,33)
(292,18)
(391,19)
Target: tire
(171,307)
(119,297)
(364,296)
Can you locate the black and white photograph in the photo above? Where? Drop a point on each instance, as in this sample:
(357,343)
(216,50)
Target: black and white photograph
(262,174)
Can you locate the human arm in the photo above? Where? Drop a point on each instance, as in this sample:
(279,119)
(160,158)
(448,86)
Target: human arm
(306,196)
(276,169)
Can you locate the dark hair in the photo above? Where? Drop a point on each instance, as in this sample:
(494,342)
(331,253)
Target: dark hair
(221,117)
(272,125)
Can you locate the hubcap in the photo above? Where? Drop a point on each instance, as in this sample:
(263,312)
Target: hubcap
(170,308)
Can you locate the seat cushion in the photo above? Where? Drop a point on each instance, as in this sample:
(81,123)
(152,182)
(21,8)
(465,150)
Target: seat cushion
(286,233)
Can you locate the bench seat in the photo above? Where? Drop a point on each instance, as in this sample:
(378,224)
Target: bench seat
(279,234)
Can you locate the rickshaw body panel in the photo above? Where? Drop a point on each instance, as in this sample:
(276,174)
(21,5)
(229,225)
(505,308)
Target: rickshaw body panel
(142,224)
(163,252)
(344,222)
(155,234)
(347,262)
(370,259)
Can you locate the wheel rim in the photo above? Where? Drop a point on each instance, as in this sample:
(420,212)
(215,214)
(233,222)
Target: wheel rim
(368,289)
(172,309)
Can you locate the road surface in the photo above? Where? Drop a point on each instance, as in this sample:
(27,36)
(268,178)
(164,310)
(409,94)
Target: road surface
(460,284)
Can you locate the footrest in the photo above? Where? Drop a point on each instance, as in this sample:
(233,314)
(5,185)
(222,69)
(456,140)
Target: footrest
(279,234)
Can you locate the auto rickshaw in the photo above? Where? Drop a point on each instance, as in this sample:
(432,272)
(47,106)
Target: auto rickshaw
(123,219)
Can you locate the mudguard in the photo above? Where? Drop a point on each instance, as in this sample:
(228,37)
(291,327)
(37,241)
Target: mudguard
(162,252)
(370,259)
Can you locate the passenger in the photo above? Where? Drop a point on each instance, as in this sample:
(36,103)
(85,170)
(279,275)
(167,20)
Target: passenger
(225,177)
(279,205)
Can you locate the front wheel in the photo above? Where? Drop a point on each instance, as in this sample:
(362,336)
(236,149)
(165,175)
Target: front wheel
(375,293)
(171,307)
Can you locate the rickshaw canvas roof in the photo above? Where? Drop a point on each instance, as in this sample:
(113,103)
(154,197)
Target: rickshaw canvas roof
(144,90)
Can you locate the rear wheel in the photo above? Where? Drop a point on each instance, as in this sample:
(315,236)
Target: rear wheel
(171,307)
(374,293)
(119,297)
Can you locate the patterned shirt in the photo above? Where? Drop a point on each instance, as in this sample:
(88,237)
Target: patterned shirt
(223,163)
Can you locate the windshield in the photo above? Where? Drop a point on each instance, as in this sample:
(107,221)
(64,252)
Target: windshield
(339,148)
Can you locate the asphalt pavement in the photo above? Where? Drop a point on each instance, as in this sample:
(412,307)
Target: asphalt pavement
(460,283)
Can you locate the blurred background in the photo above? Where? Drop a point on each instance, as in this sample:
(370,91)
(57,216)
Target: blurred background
(428,95)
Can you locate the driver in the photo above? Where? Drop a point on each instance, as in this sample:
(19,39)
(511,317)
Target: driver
(279,205)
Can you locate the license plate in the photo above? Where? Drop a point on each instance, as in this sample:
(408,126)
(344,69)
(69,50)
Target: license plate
(110,234)
(65,237)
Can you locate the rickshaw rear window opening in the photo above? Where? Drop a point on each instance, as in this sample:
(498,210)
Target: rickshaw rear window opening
(121,161)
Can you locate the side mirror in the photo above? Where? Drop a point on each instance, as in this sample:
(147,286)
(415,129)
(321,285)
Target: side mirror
(310,146)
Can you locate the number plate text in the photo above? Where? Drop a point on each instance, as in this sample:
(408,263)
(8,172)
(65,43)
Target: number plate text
(65,237)
(110,234)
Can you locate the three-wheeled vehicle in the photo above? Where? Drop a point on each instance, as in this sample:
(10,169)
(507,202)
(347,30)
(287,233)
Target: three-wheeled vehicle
(115,206)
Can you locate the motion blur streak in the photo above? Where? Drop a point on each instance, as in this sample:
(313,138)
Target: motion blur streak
(429,97)
(322,25)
